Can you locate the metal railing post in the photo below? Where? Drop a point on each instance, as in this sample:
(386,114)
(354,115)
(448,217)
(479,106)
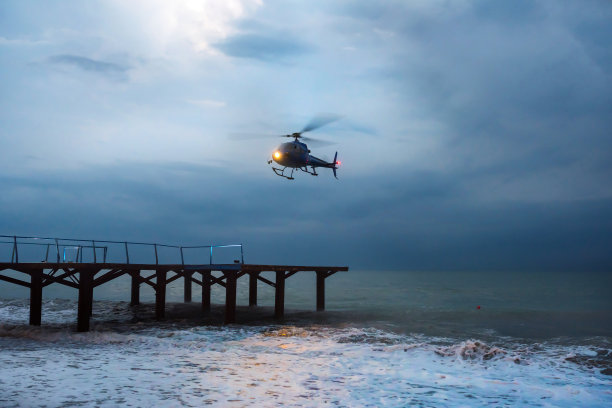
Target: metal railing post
(80,246)
(15,250)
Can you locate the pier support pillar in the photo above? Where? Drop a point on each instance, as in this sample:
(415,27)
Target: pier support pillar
(91,300)
(279,295)
(206,291)
(36,297)
(187,289)
(135,287)
(160,294)
(85,300)
(321,290)
(253,288)
(230,296)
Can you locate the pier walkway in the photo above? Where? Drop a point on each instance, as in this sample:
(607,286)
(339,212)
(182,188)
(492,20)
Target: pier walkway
(84,273)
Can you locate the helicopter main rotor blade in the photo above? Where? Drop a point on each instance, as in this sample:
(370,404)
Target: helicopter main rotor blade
(319,121)
(317,142)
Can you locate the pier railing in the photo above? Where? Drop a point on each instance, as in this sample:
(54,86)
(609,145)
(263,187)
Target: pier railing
(59,248)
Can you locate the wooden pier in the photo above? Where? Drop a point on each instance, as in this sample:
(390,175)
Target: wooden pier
(85,277)
(85,274)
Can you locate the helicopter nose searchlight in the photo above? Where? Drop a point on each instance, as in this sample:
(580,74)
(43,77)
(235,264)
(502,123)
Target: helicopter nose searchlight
(295,154)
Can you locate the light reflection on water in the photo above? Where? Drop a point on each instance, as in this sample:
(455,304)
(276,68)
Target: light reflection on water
(179,363)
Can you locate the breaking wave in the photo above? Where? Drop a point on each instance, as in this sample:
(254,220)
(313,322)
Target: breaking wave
(129,359)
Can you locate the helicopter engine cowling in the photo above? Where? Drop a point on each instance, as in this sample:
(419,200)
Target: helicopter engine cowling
(291,154)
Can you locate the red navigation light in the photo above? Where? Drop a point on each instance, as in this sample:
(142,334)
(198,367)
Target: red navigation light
(338,162)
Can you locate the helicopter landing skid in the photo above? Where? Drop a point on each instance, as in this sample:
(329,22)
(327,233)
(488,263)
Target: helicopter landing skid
(281,173)
(313,172)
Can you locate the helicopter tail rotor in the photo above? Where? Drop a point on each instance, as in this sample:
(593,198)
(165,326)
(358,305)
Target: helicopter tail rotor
(336,163)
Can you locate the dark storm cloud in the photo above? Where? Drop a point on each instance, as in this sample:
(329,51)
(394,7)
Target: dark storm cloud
(265,47)
(538,57)
(419,221)
(524,85)
(514,175)
(88,64)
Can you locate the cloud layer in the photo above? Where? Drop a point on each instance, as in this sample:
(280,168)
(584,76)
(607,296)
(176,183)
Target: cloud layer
(474,135)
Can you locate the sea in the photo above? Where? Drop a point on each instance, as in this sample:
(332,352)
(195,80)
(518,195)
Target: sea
(386,339)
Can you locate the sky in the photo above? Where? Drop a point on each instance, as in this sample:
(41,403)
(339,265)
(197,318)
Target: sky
(474,135)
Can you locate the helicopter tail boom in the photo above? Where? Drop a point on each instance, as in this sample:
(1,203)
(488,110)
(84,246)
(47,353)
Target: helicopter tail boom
(316,162)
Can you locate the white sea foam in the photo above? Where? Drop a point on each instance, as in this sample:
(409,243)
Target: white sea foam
(146,364)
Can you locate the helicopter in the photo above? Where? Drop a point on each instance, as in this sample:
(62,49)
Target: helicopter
(295,154)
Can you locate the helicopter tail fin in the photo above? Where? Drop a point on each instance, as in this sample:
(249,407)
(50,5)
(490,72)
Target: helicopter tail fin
(335,165)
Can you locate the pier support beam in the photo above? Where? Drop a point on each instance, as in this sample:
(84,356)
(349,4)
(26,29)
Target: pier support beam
(85,300)
(206,291)
(187,289)
(135,300)
(321,290)
(253,288)
(160,294)
(36,297)
(279,295)
(230,296)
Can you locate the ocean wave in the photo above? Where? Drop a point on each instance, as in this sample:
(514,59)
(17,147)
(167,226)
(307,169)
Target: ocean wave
(471,350)
(129,358)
